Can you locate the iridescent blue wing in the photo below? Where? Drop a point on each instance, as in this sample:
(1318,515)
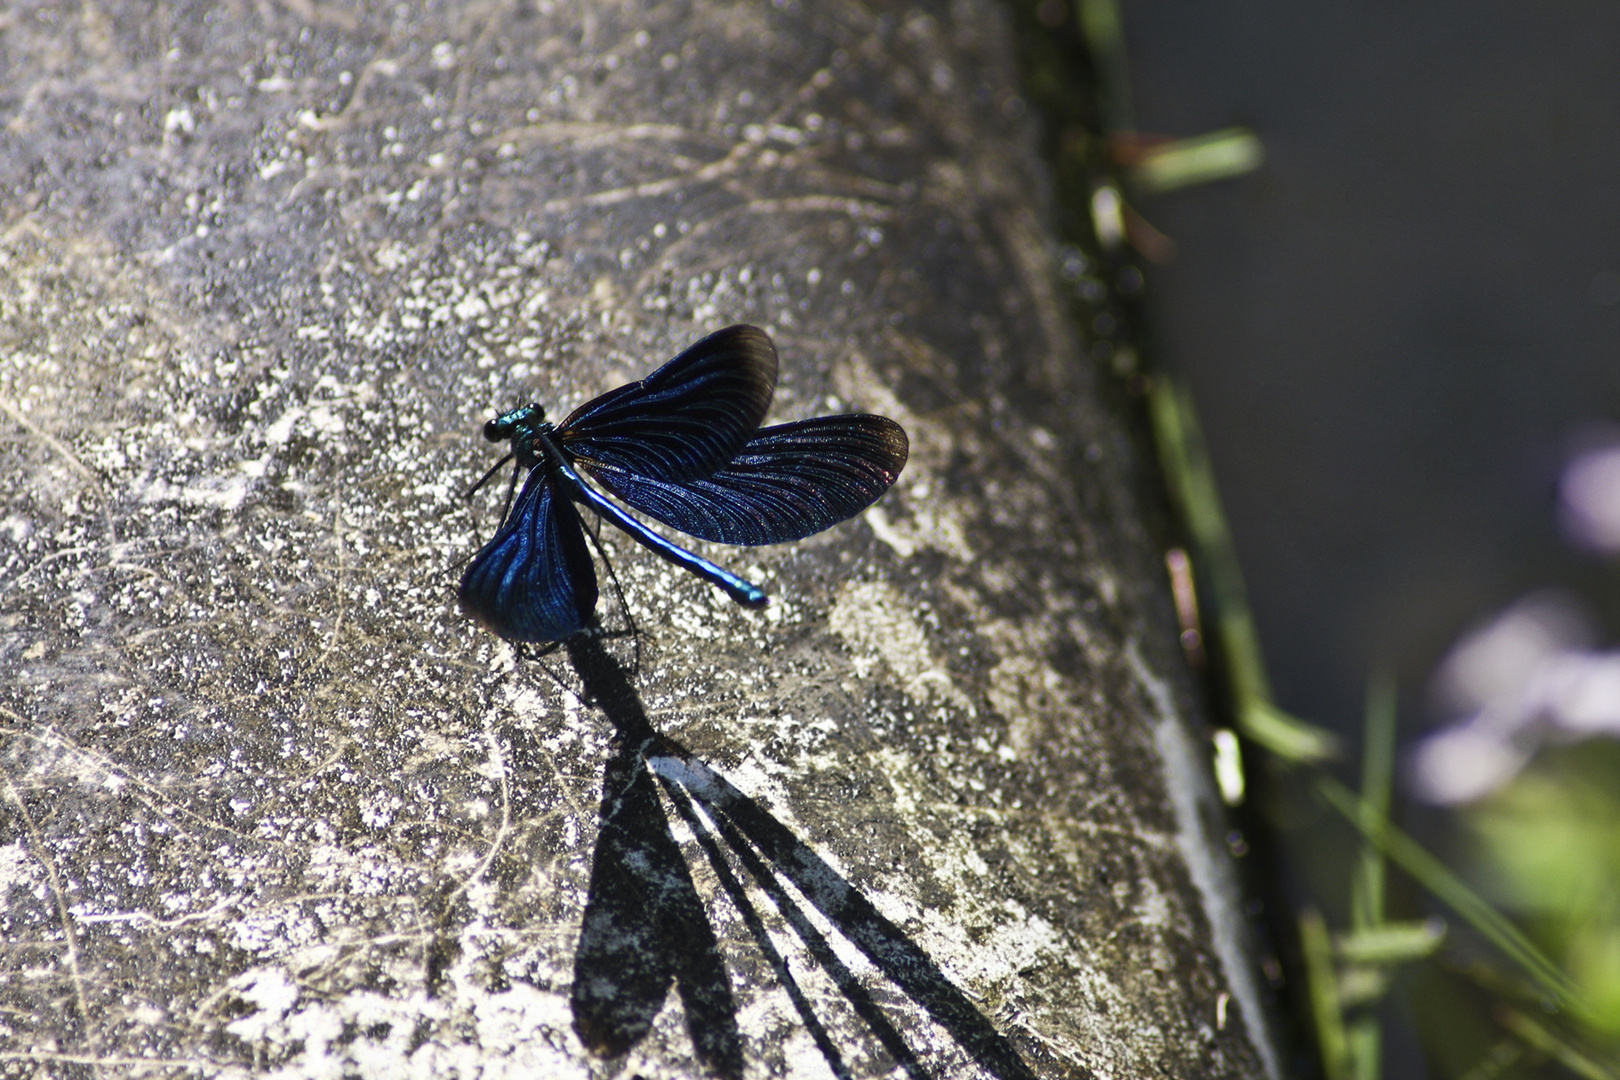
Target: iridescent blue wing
(788,482)
(686,419)
(534,580)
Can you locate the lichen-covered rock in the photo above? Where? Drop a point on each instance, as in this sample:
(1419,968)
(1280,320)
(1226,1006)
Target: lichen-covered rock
(269,803)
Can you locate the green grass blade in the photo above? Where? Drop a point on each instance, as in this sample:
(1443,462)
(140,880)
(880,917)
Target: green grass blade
(1497,1061)
(1104,34)
(1284,734)
(1439,880)
(1377,784)
(1199,160)
(1323,982)
(1556,1047)
(1192,487)
(1391,943)
(1364,1049)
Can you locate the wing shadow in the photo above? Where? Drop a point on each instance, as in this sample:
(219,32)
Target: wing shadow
(645,925)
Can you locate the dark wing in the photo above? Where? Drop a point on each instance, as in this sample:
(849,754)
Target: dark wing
(686,419)
(788,482)
(534,580)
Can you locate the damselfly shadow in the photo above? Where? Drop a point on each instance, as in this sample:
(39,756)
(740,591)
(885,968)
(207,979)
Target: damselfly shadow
(646,927)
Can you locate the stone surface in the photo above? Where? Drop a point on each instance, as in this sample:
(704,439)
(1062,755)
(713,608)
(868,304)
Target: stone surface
(269,803)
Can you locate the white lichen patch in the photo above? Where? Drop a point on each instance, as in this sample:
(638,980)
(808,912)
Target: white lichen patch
(1014,941)
(226,491)
(929,520)
(274,932)
(270,994)
(1019,685)
(872,619)
(1024,688)
(18,871)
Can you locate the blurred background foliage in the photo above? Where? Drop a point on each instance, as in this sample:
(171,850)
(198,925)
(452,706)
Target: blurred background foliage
(1388,284)
(1547,848)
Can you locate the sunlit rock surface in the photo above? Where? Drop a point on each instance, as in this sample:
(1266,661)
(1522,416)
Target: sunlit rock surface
(271,804)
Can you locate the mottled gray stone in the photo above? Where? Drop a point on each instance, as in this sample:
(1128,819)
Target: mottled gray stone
(270,803)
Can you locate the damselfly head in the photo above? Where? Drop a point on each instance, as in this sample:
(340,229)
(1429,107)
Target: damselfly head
(510,425)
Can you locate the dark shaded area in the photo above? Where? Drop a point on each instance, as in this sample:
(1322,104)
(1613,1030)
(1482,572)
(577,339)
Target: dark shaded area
(1395,327)
(738,894)
(644,924)
(645,927)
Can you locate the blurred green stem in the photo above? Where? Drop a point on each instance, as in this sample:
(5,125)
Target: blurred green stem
(1363,1048)
(1377,781)
(1192,486)
(1434,876)
(1497,1060)
(1104,35)
(1555,1046)
(1323,982)
(1199,160)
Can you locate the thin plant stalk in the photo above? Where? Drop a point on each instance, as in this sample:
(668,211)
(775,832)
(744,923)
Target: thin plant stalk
(1439,880)
(1377,785)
